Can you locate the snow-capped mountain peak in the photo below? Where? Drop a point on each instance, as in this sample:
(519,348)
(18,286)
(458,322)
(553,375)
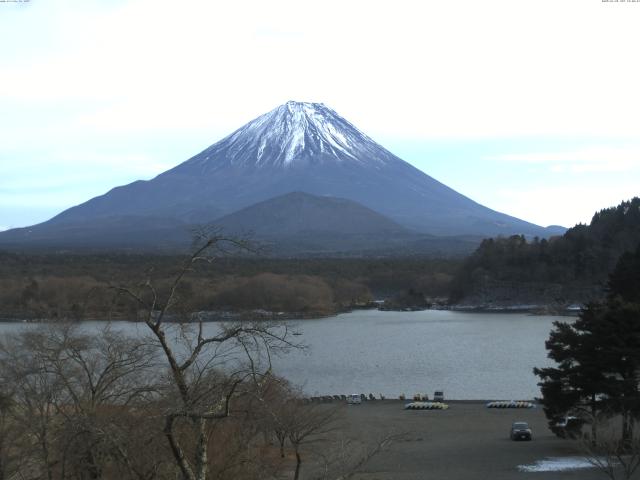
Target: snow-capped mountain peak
(295,133)
(297,147)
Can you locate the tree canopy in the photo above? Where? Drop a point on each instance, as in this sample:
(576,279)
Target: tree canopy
(598,356)
(583,256)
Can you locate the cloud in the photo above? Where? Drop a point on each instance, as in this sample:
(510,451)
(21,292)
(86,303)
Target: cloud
(592,159)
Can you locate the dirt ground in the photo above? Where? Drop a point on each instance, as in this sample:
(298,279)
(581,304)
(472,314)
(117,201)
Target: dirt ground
(467,441)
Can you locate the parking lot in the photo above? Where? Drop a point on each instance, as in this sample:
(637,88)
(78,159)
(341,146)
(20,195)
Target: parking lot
(466,441)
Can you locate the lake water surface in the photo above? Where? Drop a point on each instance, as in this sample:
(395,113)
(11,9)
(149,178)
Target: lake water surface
(468,355)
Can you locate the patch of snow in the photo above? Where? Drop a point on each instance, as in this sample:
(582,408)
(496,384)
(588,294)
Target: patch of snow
(261,149)
(293,131)
(557,464)
(334,136)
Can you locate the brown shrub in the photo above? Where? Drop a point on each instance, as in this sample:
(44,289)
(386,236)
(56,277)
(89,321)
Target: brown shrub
(269,291)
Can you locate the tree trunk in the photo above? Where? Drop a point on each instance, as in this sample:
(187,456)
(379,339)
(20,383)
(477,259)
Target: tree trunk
(627,429)
(93,469)
(281,436)
(178,454)
(298,463)
(201,450)
(1,466)
(594,426)
(45,451)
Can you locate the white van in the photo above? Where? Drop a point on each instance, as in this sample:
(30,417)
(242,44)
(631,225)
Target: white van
(354,399)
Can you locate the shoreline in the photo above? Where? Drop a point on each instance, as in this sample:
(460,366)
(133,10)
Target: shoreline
(377,401)
(265,315)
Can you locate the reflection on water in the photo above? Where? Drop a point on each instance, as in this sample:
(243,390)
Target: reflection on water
(468,355)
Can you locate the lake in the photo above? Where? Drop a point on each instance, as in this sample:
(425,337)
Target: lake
(468,355)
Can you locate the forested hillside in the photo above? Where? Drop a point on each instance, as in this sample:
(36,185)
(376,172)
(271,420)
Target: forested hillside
(562,270)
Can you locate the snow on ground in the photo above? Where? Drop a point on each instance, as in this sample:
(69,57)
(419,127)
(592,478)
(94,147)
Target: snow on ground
(556,464)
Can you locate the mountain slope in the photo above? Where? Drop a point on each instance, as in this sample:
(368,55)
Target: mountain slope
(304,147)
(121,232)
(301,224)
(300,213)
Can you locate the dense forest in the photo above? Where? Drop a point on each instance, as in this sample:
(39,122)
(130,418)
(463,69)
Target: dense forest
(79,286)
(562,270)
(502,272)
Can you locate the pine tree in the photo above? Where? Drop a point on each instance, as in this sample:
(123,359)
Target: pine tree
(624,282)
(578,384)
(598,356)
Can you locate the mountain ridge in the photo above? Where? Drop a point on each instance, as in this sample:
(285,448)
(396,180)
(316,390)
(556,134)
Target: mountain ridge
(299,212)
(298,146)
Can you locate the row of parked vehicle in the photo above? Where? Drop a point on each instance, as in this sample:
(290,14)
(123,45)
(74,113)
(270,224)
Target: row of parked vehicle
(438,397)
(519,430)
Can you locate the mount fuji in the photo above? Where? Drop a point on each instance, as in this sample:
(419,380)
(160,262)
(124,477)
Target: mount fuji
(297,147)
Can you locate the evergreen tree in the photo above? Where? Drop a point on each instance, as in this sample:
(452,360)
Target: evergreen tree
(624,282)
(580,260)
(577,385)
(598,356)
(618,333)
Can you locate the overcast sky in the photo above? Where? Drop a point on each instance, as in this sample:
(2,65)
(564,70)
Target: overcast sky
(528,107)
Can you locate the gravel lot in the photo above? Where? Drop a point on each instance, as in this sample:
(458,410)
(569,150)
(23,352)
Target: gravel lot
(467,441)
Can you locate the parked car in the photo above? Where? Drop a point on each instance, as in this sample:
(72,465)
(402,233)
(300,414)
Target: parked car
(354,399)
(568,427)
(520,431)
(438,396)
(565,421)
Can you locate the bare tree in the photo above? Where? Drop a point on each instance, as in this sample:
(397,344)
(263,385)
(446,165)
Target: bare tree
(11,455)
(274,399)
(615,457)
(67,385)
(207,370)
(346,457)
(308,424)
(36,392)
(103,376)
